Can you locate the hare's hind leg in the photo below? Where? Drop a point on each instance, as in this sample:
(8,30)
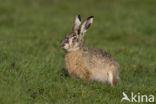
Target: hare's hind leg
(113,77)
(110,77)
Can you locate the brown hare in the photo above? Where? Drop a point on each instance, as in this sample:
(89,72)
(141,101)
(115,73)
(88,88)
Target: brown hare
(88,63)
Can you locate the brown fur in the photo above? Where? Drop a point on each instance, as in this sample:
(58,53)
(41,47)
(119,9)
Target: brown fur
(88,63)
(75,65)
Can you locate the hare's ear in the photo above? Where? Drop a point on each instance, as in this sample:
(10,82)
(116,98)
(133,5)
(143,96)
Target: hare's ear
(77,23)
(86,24)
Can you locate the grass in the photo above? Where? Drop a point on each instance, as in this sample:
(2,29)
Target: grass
(32,66)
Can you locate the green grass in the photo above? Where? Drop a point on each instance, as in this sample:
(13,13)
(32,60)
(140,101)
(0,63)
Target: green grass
(32,66)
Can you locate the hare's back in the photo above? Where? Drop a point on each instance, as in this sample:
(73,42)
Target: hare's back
(97,53)
(97,58)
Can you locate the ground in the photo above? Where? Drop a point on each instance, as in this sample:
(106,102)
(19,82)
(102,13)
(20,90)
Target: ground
(32,65)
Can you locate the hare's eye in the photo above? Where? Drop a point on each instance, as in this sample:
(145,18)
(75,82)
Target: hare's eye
(78,31)
(66,38)
(67,41)
(74,38)
(74,35)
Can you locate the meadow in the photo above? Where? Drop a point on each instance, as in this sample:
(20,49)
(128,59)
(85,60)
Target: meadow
(32,65)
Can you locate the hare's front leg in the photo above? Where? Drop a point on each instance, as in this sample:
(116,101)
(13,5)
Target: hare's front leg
(85,73)
(82,72)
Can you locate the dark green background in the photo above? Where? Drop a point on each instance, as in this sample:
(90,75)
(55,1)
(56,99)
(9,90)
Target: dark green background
(32,66)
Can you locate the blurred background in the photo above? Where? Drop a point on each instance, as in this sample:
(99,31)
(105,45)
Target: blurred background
(32,69)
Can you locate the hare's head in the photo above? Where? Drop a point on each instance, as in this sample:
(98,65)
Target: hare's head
(74,40)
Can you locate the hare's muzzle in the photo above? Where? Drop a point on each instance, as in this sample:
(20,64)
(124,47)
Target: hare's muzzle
(62,46)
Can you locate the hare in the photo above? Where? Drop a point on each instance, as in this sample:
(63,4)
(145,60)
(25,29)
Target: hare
(88,63)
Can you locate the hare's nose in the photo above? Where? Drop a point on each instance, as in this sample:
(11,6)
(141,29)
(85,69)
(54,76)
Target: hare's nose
(62,46)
